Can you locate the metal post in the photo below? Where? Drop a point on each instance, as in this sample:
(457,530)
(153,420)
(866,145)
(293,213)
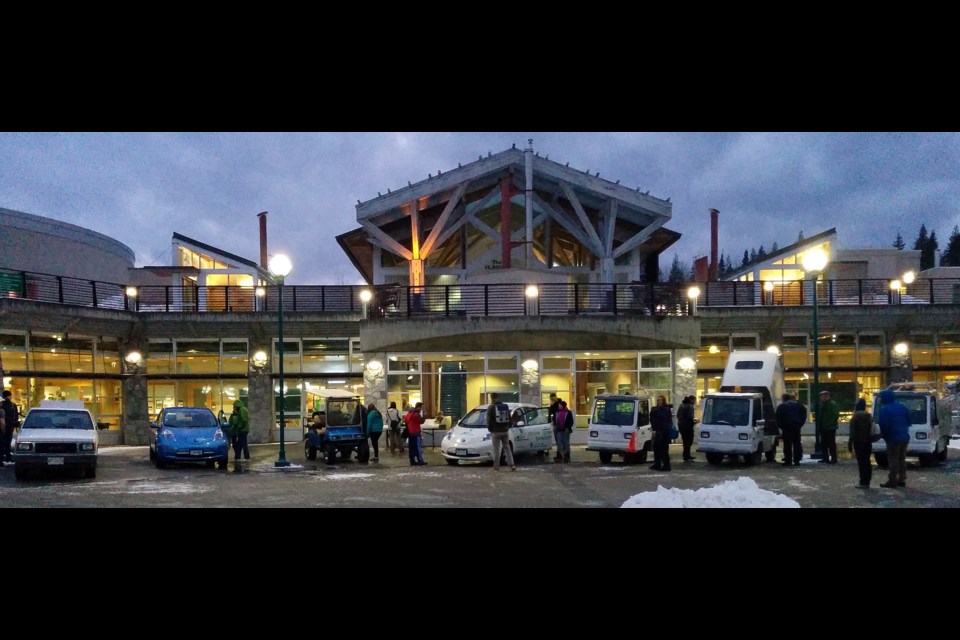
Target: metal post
(282,460)
(817,453)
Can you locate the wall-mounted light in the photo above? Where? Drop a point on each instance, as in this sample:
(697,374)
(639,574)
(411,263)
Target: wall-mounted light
(686,363)
(131,292)
(532,291)
(901,348)
(530,364)
(260,358)
(375,365)
(774,349)
(909,277)
(714,349)
(260,292)
(133,358)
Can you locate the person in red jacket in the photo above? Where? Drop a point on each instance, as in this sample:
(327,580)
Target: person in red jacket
(414,421)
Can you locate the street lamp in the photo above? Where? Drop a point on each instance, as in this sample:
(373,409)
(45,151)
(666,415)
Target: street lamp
(693,293)
(815,262)
(280,266)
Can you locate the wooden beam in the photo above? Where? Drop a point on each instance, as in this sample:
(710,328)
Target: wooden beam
(386,241)
(442,220)
(584,220)
(611,224)
(566,222)
(638,238)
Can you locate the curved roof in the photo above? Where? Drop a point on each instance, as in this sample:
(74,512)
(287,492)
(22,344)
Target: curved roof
(64,230)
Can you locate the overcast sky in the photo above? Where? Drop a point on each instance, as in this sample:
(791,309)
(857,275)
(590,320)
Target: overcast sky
(139,188)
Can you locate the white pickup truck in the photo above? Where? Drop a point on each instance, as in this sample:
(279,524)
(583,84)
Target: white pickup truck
(740,420)
(59,434)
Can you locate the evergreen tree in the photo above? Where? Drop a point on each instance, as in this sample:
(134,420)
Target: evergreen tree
(753,255)
(951,255)
(774,248)
(678,272)
(761,254)
(899,243)
(800,236)
(746,259)
(921,240)
(928,254)
(721,266)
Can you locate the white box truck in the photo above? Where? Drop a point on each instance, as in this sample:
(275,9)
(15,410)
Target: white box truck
(740,420)
(620,425)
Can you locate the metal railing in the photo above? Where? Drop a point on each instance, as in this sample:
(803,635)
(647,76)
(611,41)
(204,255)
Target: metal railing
(552,299)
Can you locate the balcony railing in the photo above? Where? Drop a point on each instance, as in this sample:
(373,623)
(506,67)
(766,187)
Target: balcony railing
(648,299)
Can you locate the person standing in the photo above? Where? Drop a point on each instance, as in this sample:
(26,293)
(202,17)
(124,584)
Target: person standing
(894,421)
(374,429)
(686,419)
(661,420)
(239,429)
(393,427)
(562,428)
(9,422)
(498,424)
(862,437)
(414,421)
(828,419)
(791,416)
(554,406)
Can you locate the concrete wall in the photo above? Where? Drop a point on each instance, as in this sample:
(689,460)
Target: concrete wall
(43,245)
(876,263)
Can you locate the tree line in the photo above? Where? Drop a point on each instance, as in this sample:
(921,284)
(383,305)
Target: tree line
(926,243)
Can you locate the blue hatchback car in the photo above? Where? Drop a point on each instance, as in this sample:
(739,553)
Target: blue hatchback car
(188,434)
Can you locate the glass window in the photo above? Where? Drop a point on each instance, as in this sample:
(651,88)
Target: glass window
(13,351)
(744,342)
(502,363)
(922,339)
(291,356)
(235,357)
(871,340)
(950,349)
(60,353)
(326,355)
(403,363)
(160,357)
(795,341)
(558,362)
(108,356)
(201,356)
(654,360)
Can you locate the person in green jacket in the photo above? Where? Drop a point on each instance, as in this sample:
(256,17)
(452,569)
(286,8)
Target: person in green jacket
(374,429)
(239,428)
(828,417)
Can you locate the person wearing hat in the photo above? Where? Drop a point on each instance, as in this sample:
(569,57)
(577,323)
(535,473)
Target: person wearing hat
(828,418)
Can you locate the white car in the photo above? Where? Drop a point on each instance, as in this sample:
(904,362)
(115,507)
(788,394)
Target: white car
(469,440)
(57,435)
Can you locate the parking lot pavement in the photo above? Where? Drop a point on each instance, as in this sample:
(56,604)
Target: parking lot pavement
(127,478)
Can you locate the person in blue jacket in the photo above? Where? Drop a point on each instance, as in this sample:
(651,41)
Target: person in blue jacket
(894,421)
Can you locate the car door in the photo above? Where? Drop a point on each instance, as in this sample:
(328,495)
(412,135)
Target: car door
(538,430)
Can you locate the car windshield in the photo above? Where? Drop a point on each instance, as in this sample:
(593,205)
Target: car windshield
(343,413)
(731,411)
(476,419)
(187,419)
(618,411)
(56,419)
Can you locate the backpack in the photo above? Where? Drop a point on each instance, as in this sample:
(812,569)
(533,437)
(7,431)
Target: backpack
(501,413)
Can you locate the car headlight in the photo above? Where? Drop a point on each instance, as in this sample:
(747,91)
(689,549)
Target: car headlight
(449,436)
(87,446)
(166,433)
(219,435)
(25,447)
(487,437)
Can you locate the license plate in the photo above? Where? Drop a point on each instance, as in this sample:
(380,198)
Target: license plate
(196,452)
(461,452)
(58,460)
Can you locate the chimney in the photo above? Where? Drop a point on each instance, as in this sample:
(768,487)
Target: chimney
(714,271)
(263,238)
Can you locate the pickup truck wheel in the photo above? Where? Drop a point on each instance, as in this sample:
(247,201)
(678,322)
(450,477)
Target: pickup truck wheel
(19,472)
(771,454)
(881,459)
(90,472)
(605,457)
(714,458)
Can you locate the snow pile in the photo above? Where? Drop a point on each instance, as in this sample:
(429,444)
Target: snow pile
(742,492)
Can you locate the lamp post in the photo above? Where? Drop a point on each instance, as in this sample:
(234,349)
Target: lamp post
(280,266)
(693,293)
(815,262)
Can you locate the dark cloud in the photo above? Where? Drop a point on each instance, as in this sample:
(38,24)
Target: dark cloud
(141,187)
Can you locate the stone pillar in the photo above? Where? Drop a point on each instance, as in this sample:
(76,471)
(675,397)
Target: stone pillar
(530,377)
(901,364)
(135,423)
(260,397)
(375,380)
(684,375)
